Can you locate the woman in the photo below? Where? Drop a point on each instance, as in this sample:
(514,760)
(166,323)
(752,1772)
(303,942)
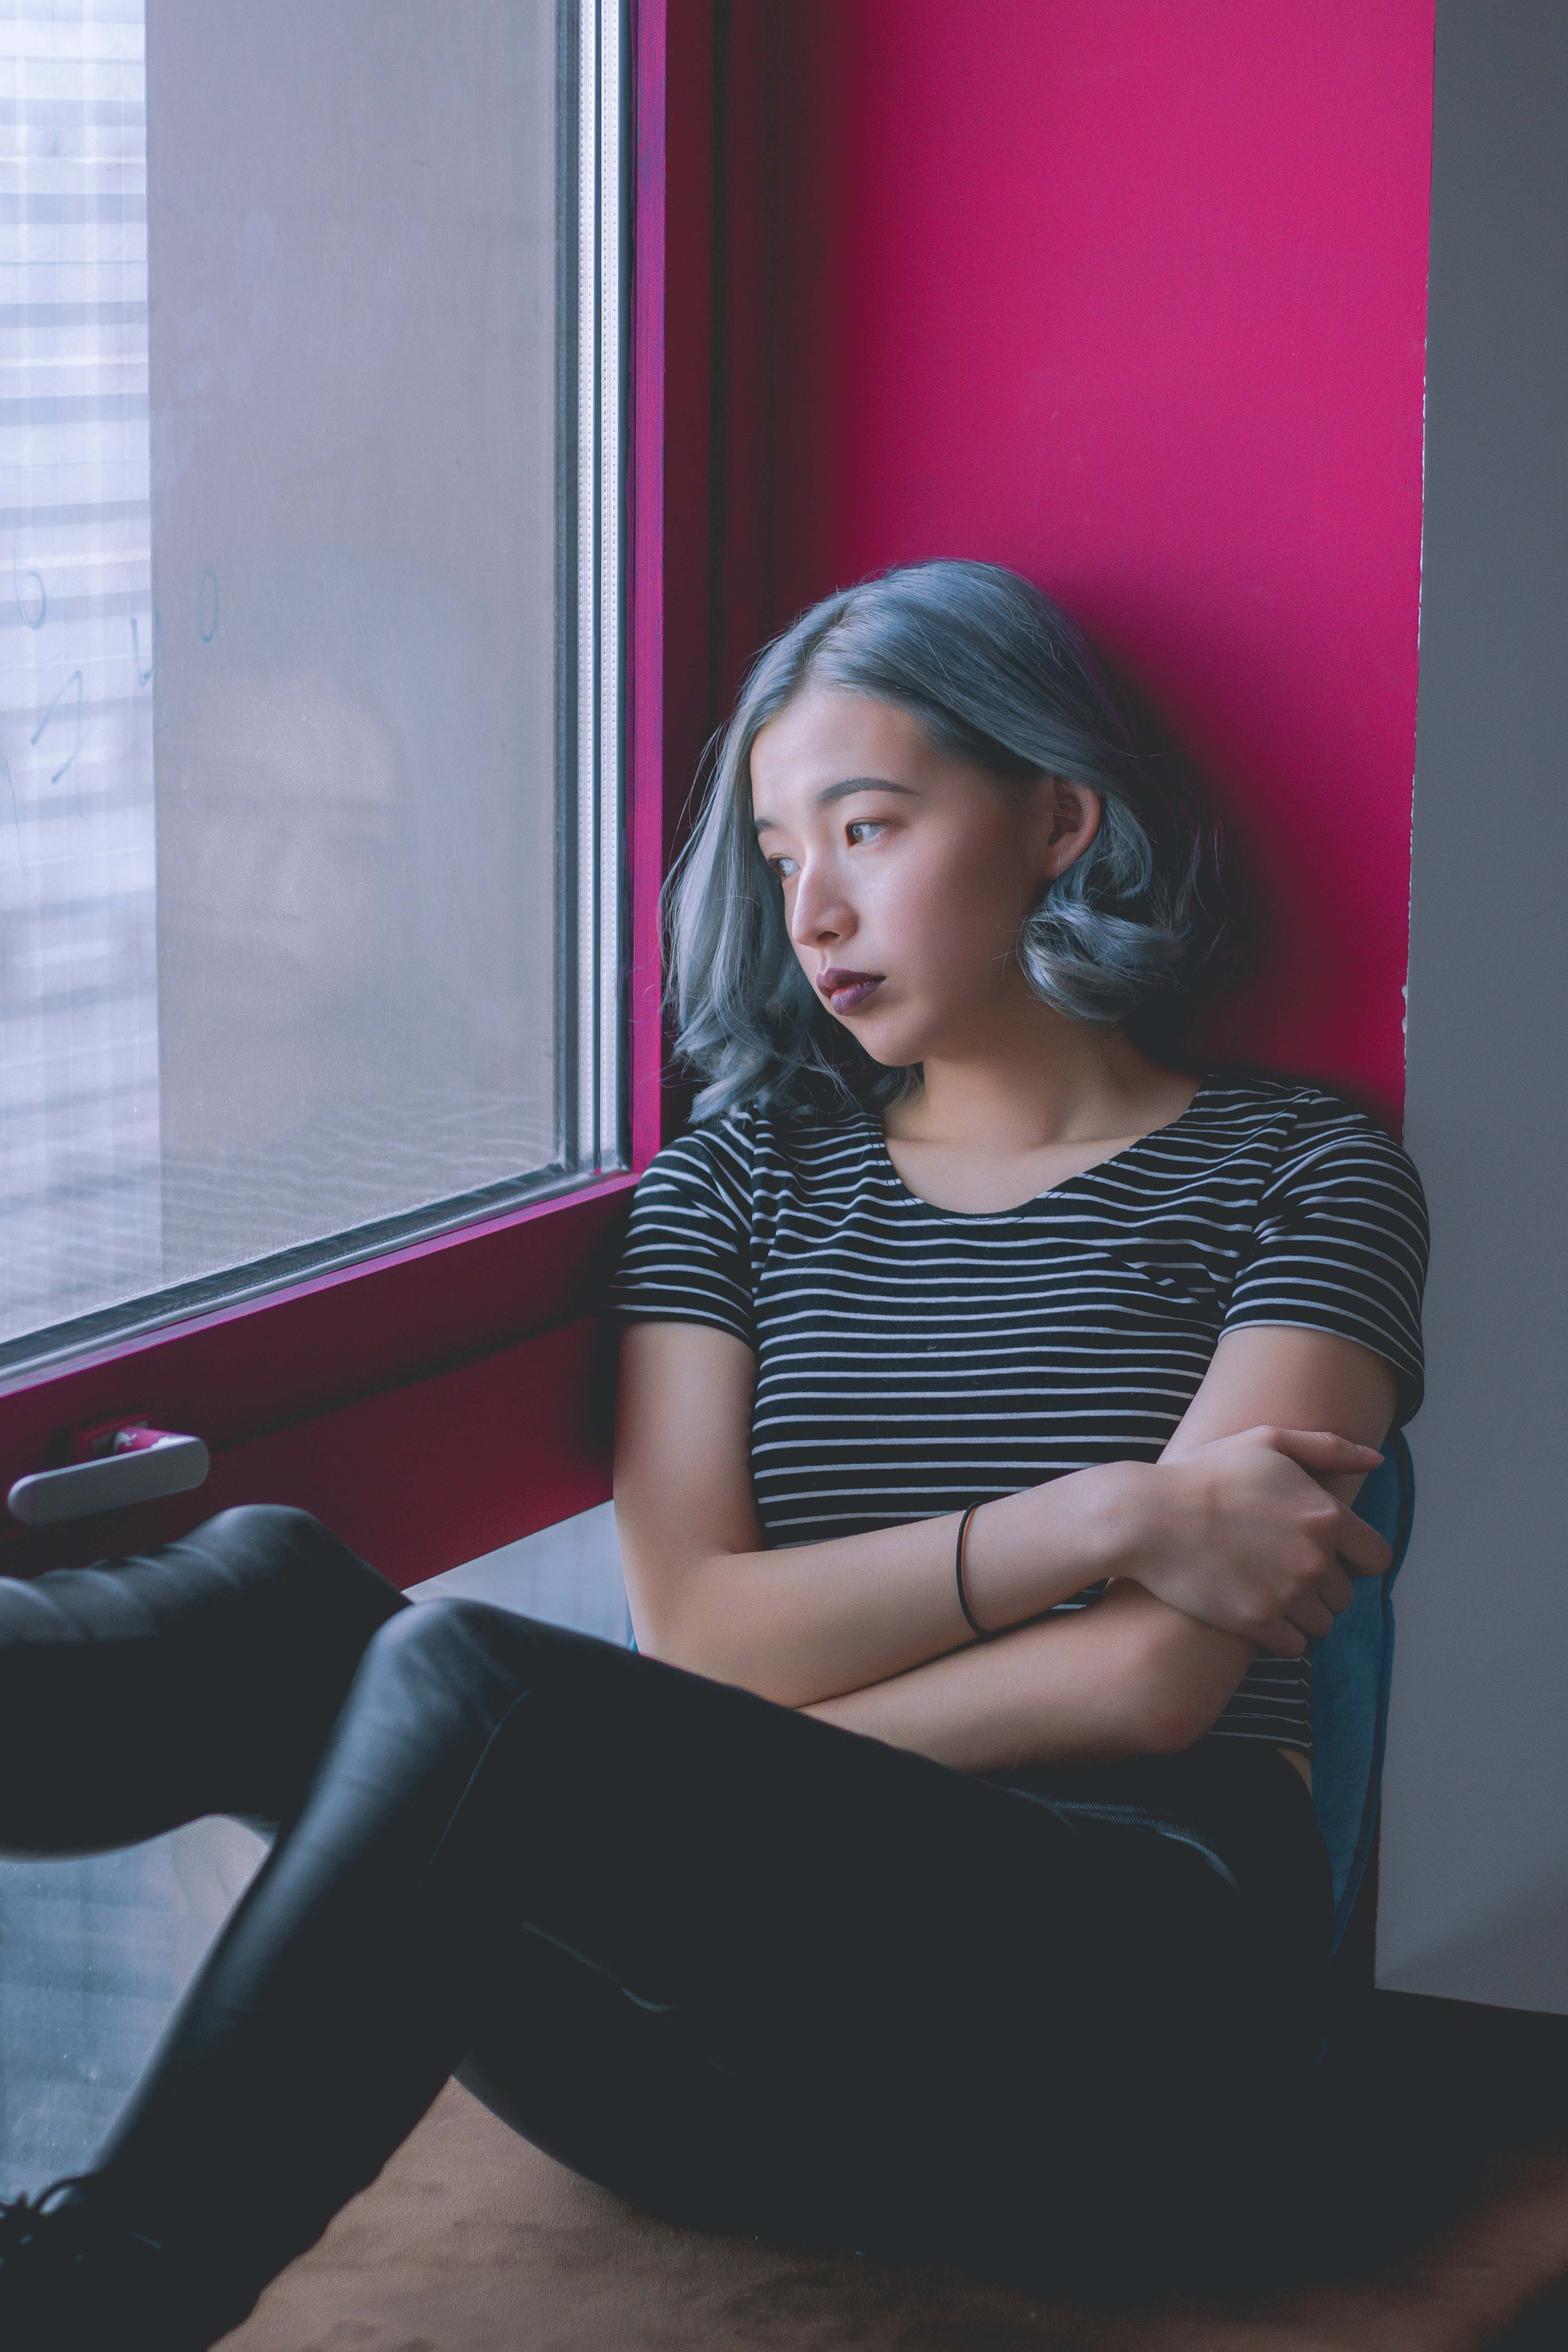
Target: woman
(941,1879)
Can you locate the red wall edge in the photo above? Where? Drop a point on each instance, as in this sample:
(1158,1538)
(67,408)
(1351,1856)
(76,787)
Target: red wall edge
(675,176)
(670,590)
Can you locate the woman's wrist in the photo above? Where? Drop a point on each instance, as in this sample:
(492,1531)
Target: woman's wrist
(1024,1552)
(1121,1504)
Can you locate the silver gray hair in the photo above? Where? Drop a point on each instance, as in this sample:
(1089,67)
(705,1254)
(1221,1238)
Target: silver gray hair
(998,677)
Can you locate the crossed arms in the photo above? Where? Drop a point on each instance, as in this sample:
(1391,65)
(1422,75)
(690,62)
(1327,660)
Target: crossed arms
(1231,1544)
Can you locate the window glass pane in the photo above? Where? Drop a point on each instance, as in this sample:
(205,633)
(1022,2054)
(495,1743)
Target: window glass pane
(95,1951)
(290,820)
(79,1007)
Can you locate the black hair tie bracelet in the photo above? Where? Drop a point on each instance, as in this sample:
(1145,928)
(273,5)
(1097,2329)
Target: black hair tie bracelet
(978,1631)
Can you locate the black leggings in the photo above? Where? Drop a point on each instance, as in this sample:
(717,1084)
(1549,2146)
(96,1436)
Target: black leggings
(753,1971)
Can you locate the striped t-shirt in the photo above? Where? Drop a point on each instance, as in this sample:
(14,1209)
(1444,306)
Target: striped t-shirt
(911,1360)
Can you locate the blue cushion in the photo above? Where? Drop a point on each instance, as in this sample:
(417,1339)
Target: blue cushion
(1352,1667)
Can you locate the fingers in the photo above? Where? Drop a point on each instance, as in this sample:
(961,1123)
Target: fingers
(1321,1449)
(1311,1617)
(1314,1613)
(1283,1640)
(1335,1589)
(1359,1546)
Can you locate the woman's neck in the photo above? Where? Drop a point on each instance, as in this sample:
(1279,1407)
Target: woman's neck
(979,1139)
(1079,1086)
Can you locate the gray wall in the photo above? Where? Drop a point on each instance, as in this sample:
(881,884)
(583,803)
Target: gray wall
(1474,1901)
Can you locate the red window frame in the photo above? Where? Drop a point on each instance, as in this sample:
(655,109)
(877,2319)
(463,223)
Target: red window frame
(448,1397)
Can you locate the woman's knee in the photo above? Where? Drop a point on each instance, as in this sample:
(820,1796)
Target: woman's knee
(277,1544)
(267,1534)
(468,1643)
(467,1663)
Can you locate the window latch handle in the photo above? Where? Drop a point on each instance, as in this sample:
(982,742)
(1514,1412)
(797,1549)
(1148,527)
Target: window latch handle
(127,1463)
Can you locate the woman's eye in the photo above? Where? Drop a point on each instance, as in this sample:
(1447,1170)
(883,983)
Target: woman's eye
(782,866)
(864,825)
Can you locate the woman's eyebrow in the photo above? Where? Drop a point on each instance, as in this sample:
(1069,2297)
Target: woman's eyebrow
(838,791)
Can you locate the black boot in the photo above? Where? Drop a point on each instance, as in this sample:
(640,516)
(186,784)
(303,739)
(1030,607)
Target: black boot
(77,2278)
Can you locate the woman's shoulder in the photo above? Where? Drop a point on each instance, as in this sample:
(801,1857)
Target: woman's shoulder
(1311,1135)
(753,1149)
(1245,1096)
(1341,1238)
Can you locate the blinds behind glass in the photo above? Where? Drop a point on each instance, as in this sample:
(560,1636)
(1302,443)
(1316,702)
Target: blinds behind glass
(78,1035)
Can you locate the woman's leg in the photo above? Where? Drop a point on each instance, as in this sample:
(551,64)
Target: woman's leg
(738,1963)
(199,1678)
(1076,2055)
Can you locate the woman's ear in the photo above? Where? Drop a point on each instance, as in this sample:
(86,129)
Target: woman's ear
(1069,819)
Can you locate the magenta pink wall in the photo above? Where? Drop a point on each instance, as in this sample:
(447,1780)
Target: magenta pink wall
(1132,296)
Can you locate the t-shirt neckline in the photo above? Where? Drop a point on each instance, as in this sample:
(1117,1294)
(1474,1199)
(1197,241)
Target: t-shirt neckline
(1206,1079)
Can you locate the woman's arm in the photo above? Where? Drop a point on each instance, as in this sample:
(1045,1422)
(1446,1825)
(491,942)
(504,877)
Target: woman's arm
(813,1622)
(1126,1676)
(808,1620)
(1133,1675)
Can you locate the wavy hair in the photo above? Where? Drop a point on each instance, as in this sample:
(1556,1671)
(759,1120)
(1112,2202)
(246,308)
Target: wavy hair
(998,677)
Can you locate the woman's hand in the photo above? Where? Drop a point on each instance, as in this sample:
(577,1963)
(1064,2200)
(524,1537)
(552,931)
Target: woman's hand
(1238,1533)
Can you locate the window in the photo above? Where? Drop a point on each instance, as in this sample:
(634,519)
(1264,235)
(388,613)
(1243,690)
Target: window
(310,829)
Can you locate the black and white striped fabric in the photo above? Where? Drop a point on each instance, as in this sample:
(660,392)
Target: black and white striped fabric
(911,1360)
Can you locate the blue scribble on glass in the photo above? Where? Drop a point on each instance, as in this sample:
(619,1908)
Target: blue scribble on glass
(74,679)
(16,815)
(28,620)
(145,677)
(209,577)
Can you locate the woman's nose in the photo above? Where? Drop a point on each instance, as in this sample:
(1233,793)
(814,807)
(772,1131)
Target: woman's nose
(818,912)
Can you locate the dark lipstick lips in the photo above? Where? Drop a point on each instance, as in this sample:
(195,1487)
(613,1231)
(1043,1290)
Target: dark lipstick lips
(846,990)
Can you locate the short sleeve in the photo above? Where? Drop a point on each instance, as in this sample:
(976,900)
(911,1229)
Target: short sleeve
(688,1255)
(1341,1243)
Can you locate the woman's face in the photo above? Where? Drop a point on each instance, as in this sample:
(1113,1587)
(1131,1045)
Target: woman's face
(906,874)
